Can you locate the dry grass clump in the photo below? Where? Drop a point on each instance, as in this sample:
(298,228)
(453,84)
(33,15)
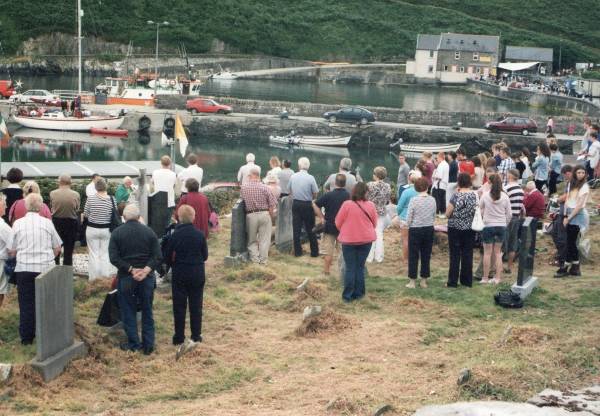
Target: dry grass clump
(326,323)
(252,272)
(528,335)
(23,378)
(93,288)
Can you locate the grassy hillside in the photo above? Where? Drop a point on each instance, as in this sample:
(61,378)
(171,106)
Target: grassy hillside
(311,29)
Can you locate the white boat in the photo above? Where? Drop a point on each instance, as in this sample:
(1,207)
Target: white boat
(333,151)
(292,139)
(223,76)
(57,120)
(426,147)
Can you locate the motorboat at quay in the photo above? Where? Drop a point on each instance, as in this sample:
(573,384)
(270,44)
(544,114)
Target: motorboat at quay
(329,141)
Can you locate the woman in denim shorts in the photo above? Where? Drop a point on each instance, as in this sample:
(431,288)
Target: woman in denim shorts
(496,212)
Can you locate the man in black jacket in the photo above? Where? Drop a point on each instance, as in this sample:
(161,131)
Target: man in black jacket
(186,253)
(135,252)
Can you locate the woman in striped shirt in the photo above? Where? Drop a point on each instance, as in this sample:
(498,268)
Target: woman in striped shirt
(98,212)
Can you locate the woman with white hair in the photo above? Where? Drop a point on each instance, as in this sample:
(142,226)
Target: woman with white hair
(18,210)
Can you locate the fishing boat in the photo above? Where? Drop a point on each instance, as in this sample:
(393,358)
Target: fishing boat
(330,141)
(140,90)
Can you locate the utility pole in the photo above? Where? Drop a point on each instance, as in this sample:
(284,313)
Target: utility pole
(165,23)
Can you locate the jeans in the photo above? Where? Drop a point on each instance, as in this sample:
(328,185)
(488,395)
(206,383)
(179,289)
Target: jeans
(67,229)
(460,243)
(187,287)
(354,276)
(26,295)
(420,243)
(572,249)
(304,216)
(440,200)
(377,247)
(132,294)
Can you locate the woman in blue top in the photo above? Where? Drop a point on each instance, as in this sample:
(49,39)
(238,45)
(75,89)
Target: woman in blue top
(402,209)
(541,166)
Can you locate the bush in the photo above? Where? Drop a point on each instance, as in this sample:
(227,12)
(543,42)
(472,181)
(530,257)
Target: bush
(222,201)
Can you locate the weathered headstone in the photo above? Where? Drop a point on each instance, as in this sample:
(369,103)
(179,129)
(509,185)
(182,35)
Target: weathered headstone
(238,245)
(157,212)
(54,327)
(283,228)
(525,280)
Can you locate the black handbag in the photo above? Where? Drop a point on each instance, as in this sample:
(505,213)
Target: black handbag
(109,314)
(9,270)
(115,218)
(508,299)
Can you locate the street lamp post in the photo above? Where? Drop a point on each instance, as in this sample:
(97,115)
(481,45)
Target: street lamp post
(158,24)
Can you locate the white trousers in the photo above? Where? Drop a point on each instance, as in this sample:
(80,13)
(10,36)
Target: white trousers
(258,226)
(377,246)
(450,190)
(98,262)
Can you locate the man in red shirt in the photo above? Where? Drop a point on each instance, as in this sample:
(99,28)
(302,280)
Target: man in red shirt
(534,202)
(464,164)
(199,202)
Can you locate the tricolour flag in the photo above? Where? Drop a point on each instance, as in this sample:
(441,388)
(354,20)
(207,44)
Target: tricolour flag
(180,135)
(3,128)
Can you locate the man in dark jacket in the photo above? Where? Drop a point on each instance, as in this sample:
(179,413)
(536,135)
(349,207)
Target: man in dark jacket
(186,253)
(135,259)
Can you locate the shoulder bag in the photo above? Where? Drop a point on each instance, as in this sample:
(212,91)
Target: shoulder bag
(115,218)
(363,210)
(477,224)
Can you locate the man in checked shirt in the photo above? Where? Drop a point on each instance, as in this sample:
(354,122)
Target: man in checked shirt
(260,208)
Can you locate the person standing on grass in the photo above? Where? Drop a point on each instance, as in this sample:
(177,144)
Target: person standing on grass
(541,166)
(428,167)
(440,184)
(420,219)
(303,189)
(345,166)
(575,218)
(592,156)
(199,202)
(65,204)
(452,175)
(516,196)
(123,192)
(284,178)
(243,172)
(6,243)
(192,171)
(477,181)
(379,193)
(13,191)
(403,170)
(36,243)
(556,162)
(260,208)
(19,210)
(464,164)
(275,165)
(496,213)
(331,202)
(164,180)
(186,253)
(402,210)
(461,237)
(505,165)
(135,260)
(559,232)
(90,189)
(356,221)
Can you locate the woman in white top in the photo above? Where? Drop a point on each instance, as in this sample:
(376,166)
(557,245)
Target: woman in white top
(576,217)
(275,165)
(479,173)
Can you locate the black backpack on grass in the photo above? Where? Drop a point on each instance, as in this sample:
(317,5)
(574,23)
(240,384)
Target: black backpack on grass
(508,299)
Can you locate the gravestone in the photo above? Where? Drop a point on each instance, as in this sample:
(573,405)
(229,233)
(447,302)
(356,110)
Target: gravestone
(525,280)
(283,229)
(238,245)
(142,195)
(54,328)
(157,212)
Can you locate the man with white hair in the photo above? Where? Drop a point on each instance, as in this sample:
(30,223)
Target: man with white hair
(303,189)
(345,166)
(6,242)
(135,260)
(123,192)
(65,205)
(36,243)
(244,171)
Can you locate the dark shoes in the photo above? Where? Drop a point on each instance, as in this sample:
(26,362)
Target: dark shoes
(26,341)
(148,350)
(197,339)
(561,272)
(125,347)
(564,272)
(574,270)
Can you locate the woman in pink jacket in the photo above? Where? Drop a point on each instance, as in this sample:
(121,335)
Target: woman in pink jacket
(356,221)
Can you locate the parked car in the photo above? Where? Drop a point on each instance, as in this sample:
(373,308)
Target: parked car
(206,105)
(7,88)
(522,125)
(350,114)
(39,95)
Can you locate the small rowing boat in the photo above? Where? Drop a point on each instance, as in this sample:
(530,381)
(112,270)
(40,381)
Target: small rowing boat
(426,147)
(293,139)
(109,132)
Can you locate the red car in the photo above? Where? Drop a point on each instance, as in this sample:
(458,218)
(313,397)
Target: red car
(7,88)
(520,125)
(206,105)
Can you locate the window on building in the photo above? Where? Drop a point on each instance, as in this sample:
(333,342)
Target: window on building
(445,68)
(478,70)
(462,69)
(457,55)
(476,56)
(431,54)
(430,69)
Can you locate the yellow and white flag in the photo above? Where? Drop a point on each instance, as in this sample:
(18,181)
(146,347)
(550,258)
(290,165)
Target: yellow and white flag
(180,135)
(3,128)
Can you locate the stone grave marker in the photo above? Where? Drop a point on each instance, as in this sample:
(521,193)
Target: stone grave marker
(54,327)
(157,212)
(238,246)
(283,228)
(526,282)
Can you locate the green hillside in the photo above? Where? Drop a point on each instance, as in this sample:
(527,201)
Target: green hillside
(311,29)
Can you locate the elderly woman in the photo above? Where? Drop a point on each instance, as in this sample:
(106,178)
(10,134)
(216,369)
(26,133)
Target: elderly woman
(275,165)
(98,212)
(379,193)
(35,244)
(123,192)
(6,242)
(18,209)
(186,253)
(402,209)
(356,221)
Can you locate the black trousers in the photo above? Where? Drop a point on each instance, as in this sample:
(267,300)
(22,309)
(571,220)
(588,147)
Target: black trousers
(572,250)
(540,185)
(461,244)
(187,289)
(552,182)
(440,200)
(420,243)
(26,295)
(67,229)
(304,216)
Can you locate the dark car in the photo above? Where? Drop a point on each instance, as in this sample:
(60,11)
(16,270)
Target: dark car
(350,114)
(520,125)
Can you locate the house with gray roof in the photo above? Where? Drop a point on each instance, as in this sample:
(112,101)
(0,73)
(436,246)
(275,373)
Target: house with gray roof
(454,57)
(544,56)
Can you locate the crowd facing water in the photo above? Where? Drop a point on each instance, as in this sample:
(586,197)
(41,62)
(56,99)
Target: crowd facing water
(479,201)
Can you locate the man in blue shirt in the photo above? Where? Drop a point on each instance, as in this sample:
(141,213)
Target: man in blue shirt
(303,189)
